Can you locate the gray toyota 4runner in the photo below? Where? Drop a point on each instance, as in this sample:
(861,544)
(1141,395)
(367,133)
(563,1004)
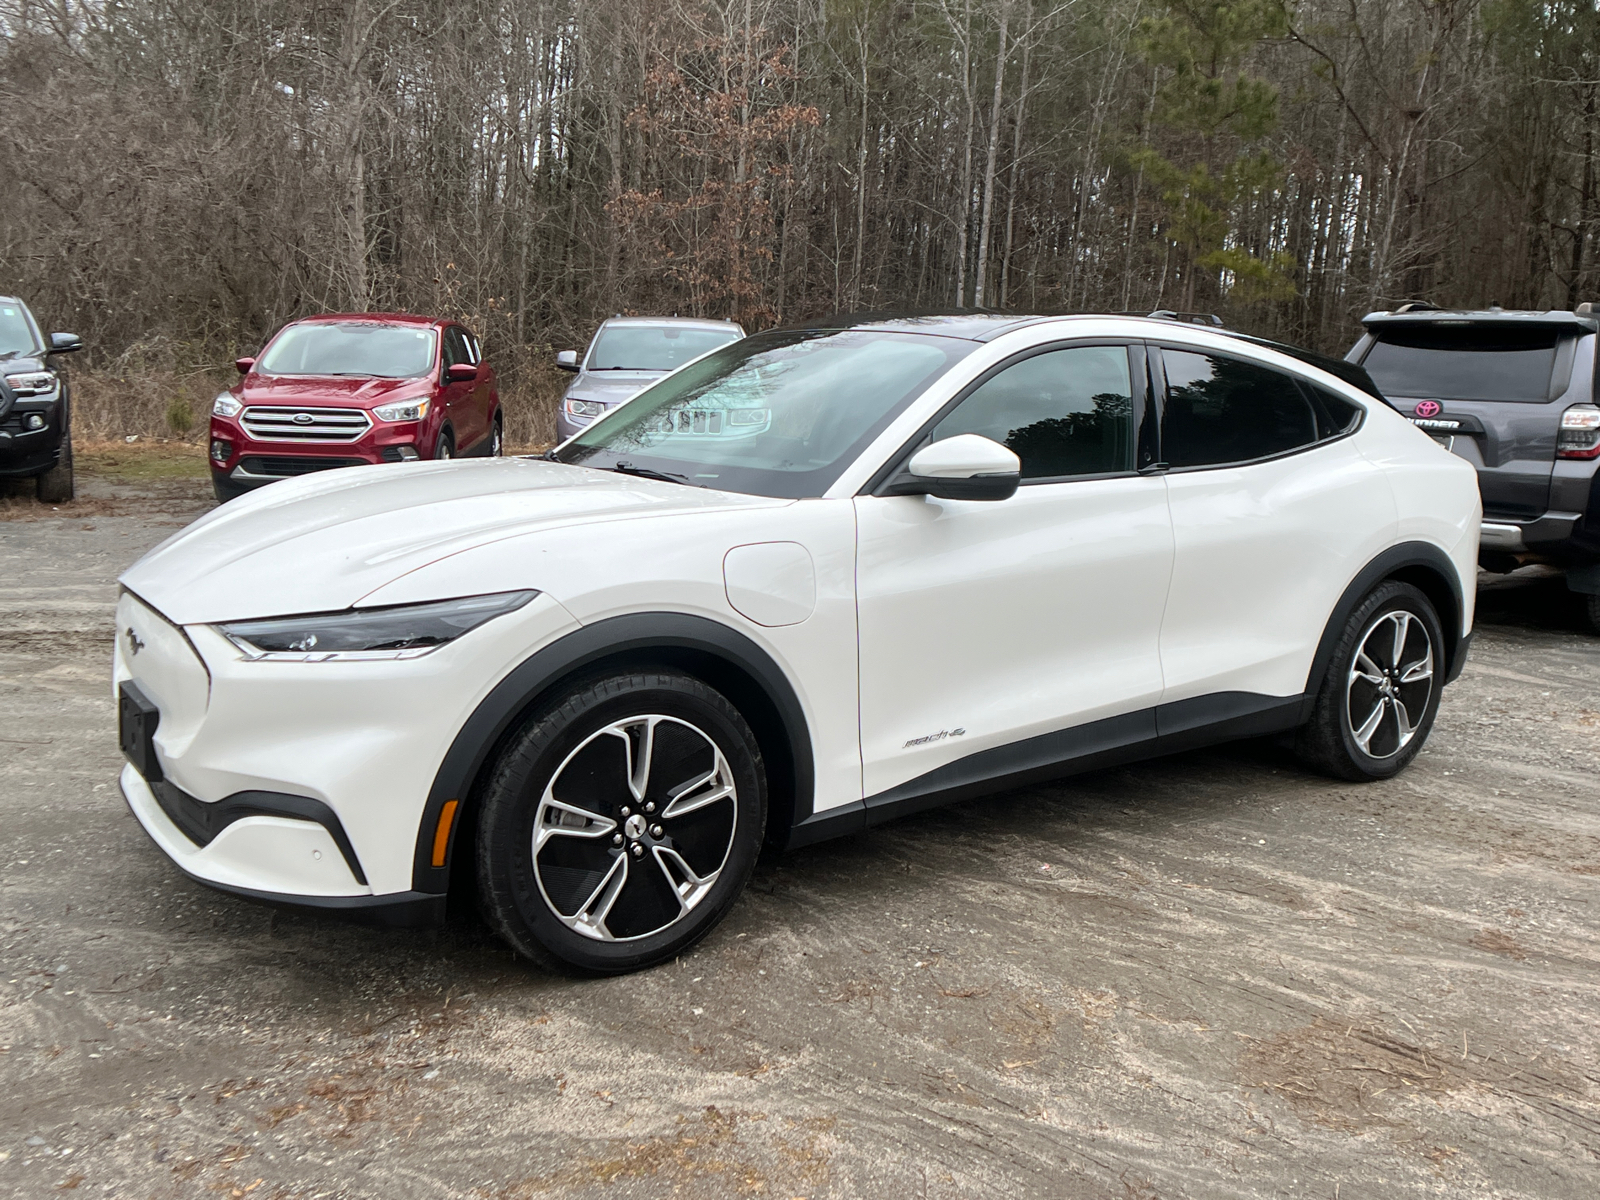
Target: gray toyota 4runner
(1515,394)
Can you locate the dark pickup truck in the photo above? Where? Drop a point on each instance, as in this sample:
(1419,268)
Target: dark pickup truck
(1515,394)
(35,403)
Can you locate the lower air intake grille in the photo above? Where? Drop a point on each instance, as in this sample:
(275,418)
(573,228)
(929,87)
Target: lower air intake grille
(275,465)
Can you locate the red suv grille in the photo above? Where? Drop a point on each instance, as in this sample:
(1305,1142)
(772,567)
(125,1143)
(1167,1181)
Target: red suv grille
(305,424)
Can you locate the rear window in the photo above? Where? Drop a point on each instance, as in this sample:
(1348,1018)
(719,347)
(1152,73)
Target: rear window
(1465,362)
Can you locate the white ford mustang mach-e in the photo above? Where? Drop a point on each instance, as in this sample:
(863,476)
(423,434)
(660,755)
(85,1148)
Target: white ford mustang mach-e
(814,580)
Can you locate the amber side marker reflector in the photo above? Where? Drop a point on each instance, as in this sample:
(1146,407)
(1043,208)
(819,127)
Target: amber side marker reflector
(441,835)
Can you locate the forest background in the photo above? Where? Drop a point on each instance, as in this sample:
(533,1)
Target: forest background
(184,177)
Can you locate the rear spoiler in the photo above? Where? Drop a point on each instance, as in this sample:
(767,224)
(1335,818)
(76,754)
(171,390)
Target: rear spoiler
(1356,376)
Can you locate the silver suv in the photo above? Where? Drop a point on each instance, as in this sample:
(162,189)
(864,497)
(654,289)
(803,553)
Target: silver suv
(627,355)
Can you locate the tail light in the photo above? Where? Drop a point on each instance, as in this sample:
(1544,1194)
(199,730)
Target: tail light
(1580,432)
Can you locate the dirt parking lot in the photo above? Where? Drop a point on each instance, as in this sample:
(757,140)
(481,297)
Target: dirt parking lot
(1208,976)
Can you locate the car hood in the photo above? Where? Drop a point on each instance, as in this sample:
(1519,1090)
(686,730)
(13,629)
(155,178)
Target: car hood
(322,542)
(329,390)
(14,361)
(611,387)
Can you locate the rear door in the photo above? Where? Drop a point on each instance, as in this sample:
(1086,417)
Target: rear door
(1273,511)
(1491,391)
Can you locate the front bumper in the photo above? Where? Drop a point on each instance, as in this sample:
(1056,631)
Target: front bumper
(305,783)
(253,463)
(25,451)
(234,866)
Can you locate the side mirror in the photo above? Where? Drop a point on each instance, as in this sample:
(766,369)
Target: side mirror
(65,343)
(244,365)
(968,467)
(461,372)
(567,360)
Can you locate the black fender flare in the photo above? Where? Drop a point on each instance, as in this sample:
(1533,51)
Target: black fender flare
(726,658)
(1420,563)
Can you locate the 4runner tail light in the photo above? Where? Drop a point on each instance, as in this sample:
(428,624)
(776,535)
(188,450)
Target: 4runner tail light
(1580,432)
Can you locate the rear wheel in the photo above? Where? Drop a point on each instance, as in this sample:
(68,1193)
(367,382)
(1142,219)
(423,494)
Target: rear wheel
(55,486)
(1591,608)
(621,823)
(1381,692)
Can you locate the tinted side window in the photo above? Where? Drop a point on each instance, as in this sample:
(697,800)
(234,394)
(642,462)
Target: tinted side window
(455,347)
(1335,414)
(1220,410)
(1063,412)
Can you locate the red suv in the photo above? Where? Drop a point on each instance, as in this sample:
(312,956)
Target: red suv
(350,389)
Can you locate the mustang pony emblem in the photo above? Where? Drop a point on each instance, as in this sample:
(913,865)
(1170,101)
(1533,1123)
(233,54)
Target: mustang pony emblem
(135,643)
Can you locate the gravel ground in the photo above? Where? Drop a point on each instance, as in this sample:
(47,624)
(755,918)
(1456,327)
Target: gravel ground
(1208,976)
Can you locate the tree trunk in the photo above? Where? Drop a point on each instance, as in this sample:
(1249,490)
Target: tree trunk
(980,276)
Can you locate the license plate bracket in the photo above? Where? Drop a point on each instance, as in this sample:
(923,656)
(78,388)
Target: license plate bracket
(137,719)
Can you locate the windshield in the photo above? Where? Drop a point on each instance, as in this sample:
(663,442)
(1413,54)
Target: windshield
(654,347)
(350,348)
(777,414)
(16,331)
(1465,362)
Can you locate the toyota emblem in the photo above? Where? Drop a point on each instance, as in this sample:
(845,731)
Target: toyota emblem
(307,418)
(1424,408)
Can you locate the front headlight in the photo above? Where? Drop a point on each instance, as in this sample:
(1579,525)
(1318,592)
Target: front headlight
(585,408)
(32,383)
(402,410)
(401,631)
(225,405)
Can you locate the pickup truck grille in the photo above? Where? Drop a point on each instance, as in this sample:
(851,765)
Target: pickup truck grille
(305,424)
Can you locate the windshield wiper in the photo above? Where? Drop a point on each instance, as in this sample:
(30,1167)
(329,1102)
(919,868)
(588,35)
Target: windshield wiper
(627,468)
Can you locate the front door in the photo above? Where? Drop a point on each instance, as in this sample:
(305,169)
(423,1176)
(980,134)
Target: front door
(986,624)
(460,411)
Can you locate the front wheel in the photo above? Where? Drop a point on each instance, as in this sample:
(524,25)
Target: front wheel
(445,447)
(621,823)
(1381,692)
(55,486)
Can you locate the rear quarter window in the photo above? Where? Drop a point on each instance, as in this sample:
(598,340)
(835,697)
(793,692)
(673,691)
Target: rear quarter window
(1465,362)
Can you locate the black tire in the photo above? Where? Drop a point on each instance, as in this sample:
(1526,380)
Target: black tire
(55,486)
(1390,690)
(572,880)
(445,447)
(1591,608)
(497,439)
(225,490)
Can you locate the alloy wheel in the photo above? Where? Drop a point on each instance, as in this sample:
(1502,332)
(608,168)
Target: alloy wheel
(634,828)
(1390,683)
